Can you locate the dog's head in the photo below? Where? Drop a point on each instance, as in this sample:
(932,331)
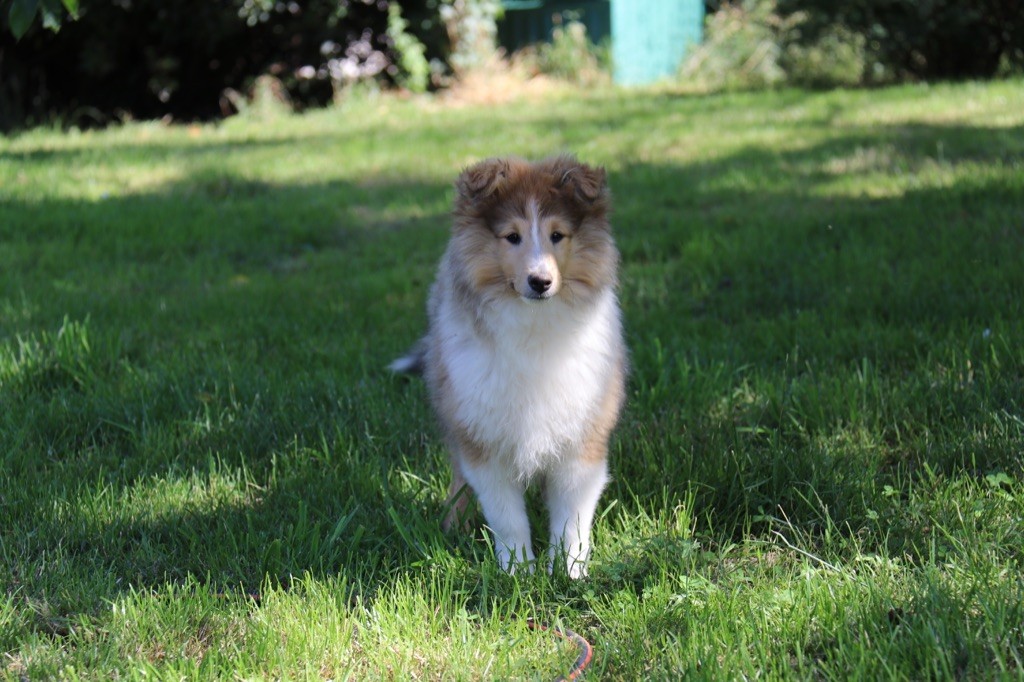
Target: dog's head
(535,230)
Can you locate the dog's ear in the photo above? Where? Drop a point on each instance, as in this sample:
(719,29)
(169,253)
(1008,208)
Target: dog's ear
(481,181)
(586,184)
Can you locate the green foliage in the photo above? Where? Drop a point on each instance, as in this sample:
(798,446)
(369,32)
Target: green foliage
(752,45)
(740,48)
(472,32)
(572,57)
(413,67)
(837,58)
(758,43)
(819,473)
(19,14)
(921,40)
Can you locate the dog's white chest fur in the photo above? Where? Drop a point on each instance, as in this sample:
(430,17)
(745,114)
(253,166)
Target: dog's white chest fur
(529,389)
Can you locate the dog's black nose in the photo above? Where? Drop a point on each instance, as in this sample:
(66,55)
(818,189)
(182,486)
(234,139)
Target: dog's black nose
(538,284)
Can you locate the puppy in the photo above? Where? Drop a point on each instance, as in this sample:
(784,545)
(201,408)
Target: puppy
(524,356)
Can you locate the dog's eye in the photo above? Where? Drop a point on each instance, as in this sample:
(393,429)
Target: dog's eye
(513,238)
(557,237)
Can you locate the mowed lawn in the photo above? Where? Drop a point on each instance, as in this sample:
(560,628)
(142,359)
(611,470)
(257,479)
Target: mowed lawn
(206,472)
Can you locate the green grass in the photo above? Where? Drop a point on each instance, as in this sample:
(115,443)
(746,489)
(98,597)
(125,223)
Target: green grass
(819,473)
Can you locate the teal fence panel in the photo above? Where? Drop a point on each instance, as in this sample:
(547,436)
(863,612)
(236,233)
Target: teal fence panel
(650,38)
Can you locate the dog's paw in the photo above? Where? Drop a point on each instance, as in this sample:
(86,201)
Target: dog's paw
(576,569)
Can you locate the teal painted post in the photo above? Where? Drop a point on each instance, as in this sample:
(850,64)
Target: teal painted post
(650,37)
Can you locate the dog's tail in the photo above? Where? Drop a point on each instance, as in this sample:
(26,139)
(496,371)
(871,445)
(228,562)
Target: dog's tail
(412,362)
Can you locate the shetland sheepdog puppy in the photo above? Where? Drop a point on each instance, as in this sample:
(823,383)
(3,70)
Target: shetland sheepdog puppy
(524,357)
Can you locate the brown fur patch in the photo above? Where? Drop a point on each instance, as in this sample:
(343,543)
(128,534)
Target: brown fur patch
(470,450)
(459,445)
(460,497)
(596,449)
(594,259)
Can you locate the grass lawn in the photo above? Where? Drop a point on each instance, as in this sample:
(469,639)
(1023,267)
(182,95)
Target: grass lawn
(819,472)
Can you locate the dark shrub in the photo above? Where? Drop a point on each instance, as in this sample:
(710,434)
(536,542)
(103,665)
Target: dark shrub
(150,58)
(936,39)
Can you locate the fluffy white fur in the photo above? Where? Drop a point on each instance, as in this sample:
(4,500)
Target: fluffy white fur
(532,387)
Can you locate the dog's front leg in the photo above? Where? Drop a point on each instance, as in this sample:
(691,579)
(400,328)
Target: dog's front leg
(572,492)
(504,507)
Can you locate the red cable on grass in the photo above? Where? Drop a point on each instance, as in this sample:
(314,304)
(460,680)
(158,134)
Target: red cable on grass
(586,650)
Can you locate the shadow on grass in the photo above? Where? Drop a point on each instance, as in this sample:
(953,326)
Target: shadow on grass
(802,340)
(796,343)
(154,342)
(142,149)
